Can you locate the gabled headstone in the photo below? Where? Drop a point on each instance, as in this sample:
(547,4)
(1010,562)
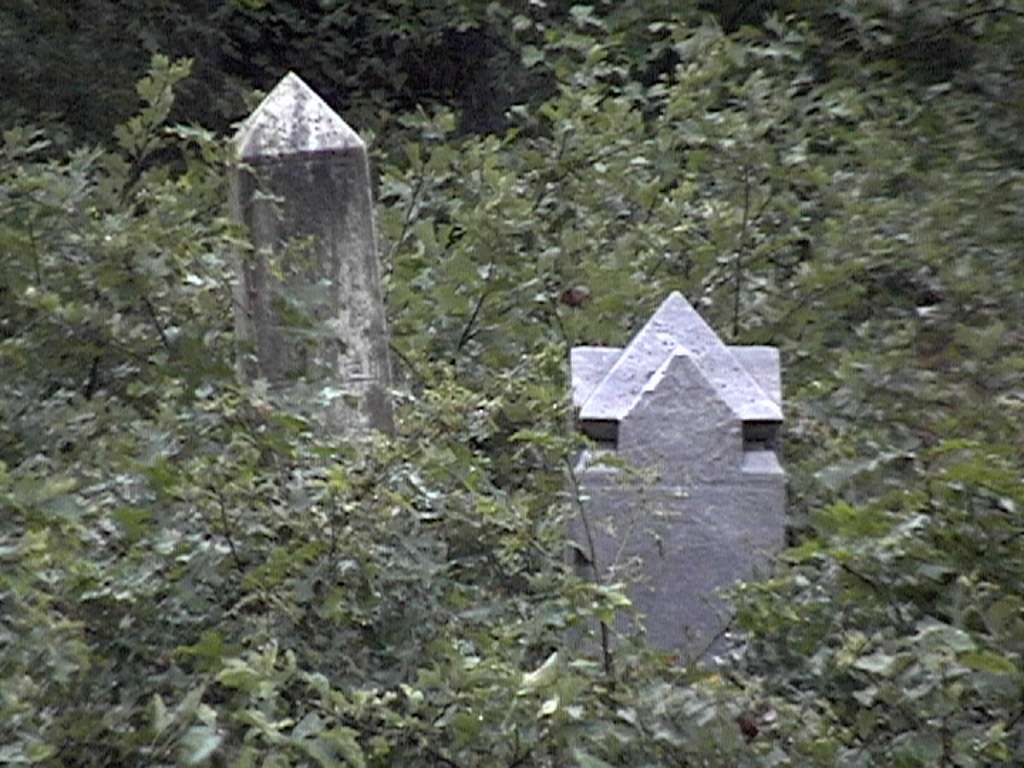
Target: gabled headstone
(310,313)
(699,423)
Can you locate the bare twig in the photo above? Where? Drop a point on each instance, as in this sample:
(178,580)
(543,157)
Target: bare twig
(606,653)
(406,220)
(225,523)
(467,332)
(949,25)
(156,322)
(740,253)
(407,362)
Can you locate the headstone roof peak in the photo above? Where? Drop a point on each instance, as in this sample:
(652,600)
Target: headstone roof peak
(677,326)
(294,120)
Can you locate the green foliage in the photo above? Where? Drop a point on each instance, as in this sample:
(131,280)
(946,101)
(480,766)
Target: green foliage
(193,573)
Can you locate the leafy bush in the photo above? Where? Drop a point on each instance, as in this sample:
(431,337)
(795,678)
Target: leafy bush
(194,573)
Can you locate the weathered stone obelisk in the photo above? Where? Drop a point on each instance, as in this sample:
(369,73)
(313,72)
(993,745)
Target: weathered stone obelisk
(309,310)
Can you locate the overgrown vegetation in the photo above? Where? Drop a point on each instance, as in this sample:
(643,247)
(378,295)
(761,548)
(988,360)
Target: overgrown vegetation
(192,573)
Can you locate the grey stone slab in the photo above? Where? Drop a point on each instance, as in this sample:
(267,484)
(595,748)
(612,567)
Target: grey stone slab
(309,307)
(681,427)
(762,463)
(588,366)
(764,365)
(691,543)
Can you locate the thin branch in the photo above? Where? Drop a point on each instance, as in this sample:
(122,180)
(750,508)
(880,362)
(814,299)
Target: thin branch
(606,653)
(952,24)
(861,577)
(147,304)
(225,523)
(92,383)
(718,636)
(156,322)
(406,362)
(740,252)
(467,332)
(406,220)
(561,325)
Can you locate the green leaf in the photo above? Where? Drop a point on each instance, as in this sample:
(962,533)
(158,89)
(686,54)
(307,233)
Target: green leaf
(238,674)
(335,747)
(188,705)
(198,744)
(541,677)
(586,760)
(877,663)
(987,661)
(161,718)
(38,751)
(532,56)
(549,707)
(133,521)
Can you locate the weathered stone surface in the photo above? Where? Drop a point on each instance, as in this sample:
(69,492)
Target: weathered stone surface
(706,507)
(309,305)
(688,542)
(589,366)
(677,324)
(764,366)
(294,120)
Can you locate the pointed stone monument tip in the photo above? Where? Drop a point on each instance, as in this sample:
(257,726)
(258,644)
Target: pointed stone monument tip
(676,324)
(294,120)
